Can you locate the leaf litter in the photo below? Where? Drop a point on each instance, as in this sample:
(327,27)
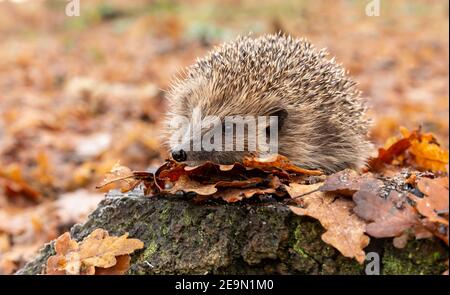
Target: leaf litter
(390,199)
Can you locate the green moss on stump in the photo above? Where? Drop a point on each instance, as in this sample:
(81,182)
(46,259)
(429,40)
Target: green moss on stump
(418,257)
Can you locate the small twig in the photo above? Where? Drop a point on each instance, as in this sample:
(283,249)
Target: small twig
(301,196)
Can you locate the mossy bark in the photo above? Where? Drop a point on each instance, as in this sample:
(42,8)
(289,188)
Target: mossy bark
(255,237)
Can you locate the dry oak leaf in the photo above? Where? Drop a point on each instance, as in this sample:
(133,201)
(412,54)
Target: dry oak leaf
(389,216)
(428,154)
(435,200)
(216,172)
(230,182)
(277,162)
(120,174)
(345,230)
(121,267)
(394,147)
(124,178)
(247,183)
(98,250)
(186,184)
(438,229)
(345,182)
(417,148)
(232,195)
(14,184)
(62,263)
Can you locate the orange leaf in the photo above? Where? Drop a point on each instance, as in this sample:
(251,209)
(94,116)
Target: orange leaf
(121,267)
(416,148)
(98,251)
(277,162)
(428,155)
(435,199)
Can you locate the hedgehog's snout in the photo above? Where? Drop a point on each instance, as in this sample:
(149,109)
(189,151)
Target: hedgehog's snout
(179,155)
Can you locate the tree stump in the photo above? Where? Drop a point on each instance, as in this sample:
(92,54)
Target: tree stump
(258,236)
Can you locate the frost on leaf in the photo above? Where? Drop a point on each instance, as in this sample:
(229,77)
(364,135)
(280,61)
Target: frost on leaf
(388,216)
(403,205)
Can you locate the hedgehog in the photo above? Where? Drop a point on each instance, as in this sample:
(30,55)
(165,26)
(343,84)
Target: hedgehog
(322,122)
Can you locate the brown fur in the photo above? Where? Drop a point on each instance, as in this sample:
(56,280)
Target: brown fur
(325,126)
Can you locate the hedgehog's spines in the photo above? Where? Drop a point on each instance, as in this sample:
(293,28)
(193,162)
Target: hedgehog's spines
(326,125)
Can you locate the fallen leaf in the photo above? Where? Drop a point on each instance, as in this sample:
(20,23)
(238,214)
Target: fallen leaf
(19,188)
(186,184)
(121,267)
(386,156)
(232,195)
(120,174)
(209,180)
(277,162)
(62,263)
(388,216)
(14,184)
(435,202)
(252,182)
(126,179)
(438,229)
(416,148)
(43,172)
(100,250)
(428,154)
(345,230)
(97,250)
(345,182)
(297,191)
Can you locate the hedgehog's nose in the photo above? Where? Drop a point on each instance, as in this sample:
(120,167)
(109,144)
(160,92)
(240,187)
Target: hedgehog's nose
(179,155)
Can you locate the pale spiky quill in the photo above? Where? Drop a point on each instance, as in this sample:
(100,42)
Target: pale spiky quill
(323,122)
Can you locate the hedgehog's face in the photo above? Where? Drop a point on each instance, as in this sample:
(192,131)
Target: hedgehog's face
(208,137)
(211,143)
(205,126)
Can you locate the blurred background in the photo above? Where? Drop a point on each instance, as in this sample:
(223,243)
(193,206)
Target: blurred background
(79,94)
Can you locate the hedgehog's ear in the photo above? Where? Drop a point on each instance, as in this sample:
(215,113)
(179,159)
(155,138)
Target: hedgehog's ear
(282,115)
